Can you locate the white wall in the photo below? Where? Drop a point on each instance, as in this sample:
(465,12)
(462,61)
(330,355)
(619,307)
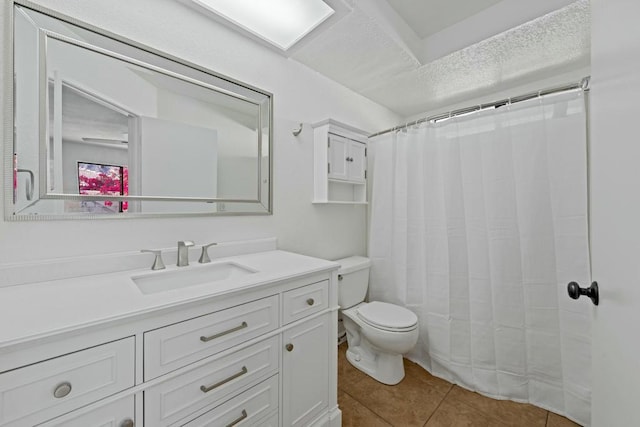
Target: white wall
(300,95)
(615,210)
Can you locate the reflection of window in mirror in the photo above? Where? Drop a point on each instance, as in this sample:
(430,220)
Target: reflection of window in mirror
(95,179)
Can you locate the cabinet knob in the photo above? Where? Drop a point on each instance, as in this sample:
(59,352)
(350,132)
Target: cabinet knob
(127,423)
(310,301)
(289,347)
(62,390)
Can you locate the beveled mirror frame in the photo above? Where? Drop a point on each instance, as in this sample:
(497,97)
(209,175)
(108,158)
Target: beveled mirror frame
(263,203)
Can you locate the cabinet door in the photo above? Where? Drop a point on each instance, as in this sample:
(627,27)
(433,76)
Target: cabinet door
(338,153)
(305,375)
(357,161)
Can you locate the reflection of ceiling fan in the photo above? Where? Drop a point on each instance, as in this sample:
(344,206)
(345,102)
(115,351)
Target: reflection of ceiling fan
(105,140)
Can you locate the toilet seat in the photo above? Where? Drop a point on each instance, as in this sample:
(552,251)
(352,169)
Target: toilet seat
(388,317)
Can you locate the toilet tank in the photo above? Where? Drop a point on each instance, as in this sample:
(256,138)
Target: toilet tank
(353,280)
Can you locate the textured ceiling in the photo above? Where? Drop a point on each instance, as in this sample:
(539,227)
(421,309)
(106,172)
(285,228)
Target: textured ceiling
(361,53)
(427,17)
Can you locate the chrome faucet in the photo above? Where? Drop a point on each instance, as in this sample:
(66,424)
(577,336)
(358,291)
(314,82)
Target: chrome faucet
(183,252)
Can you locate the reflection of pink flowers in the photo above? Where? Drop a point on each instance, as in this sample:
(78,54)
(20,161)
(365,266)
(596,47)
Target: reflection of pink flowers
(108,180)
(101,184)
(125,187)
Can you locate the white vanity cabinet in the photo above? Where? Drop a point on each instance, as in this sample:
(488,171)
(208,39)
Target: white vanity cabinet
(340,163)
(261,355)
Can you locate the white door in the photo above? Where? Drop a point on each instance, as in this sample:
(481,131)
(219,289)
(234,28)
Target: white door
(615,211)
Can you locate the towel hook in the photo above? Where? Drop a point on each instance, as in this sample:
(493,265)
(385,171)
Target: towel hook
(296,131)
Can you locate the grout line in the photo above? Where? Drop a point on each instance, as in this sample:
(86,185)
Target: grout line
(372,410)
(439,404)
(367,408)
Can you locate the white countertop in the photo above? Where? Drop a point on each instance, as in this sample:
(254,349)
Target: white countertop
(39,309)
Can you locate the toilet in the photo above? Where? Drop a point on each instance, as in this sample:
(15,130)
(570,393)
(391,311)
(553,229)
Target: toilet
(378,333)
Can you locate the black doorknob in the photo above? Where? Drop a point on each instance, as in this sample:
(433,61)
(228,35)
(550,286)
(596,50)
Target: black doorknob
(575,291)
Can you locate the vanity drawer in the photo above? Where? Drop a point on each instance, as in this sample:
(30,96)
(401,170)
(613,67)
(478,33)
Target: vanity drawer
(175,346)
(45,390)
(115,414)
(174,399)
(271,421)
(246,409)
(304,301)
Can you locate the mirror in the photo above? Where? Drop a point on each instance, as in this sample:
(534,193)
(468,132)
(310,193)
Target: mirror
(106,128)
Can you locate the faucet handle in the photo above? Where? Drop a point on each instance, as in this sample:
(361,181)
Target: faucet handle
(204,256)
(157,262)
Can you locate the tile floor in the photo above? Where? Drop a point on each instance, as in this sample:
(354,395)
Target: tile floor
(424,400)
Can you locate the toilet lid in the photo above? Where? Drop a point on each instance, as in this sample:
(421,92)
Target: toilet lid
(387,316)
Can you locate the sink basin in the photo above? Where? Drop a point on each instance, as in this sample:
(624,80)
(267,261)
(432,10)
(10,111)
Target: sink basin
(161,281)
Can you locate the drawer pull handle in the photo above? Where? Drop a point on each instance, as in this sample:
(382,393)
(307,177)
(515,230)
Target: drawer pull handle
(310,301)
(226,380)
(62,390)
(237,420)
(289,347)
(127,423)
(221,334)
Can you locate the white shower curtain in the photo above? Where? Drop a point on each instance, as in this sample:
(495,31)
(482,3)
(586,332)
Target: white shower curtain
(477,225)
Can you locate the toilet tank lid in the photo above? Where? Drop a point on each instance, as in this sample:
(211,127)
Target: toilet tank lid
(352,263)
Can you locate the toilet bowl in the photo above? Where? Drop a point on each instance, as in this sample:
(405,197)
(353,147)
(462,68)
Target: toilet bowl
(378,333)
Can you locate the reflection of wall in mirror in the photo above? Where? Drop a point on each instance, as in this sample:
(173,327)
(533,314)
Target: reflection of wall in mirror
(233,185)
(103,76)
(237,138)
(26,111)
(237,177)
(175,159)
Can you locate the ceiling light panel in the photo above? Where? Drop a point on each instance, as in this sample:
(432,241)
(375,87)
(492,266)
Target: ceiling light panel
(279,22)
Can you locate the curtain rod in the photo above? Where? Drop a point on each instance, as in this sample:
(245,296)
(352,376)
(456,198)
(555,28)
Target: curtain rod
(582,84)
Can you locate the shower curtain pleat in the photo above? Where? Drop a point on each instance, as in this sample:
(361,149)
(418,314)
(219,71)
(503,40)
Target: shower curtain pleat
(477,225)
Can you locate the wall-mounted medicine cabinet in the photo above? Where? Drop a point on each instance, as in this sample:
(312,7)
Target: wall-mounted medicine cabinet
(340,163)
